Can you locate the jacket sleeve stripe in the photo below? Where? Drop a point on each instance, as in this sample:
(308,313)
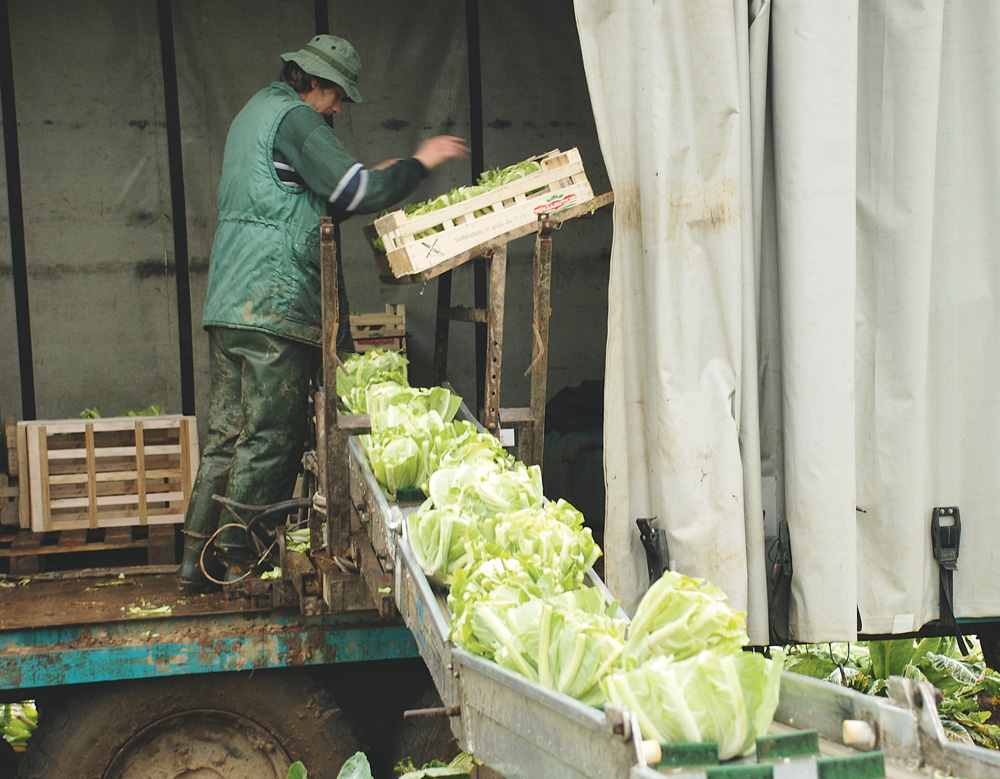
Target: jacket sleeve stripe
(362,189)
(349,184)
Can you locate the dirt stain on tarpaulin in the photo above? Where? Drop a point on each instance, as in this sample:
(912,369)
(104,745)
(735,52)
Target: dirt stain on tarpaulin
(628,209)
(714,204)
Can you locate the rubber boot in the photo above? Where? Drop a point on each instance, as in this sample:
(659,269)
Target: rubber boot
(190,575)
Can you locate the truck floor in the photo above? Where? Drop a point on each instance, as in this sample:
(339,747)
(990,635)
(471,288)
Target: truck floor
(90,597)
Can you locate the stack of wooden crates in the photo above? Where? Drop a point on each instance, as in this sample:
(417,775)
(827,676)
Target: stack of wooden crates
(380,331)
(119,482)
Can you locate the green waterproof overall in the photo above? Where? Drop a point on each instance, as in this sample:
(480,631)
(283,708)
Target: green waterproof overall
(263,316)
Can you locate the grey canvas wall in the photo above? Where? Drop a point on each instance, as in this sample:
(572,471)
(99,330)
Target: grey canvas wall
(96,176)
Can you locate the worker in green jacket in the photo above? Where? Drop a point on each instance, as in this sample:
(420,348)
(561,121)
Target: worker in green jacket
(283,169)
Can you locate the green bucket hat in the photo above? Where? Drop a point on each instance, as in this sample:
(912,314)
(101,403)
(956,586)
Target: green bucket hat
(332,58)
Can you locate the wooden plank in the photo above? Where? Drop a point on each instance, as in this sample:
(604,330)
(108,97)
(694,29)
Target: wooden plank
(518,417)
(193,456)
(140,467)
(38,487)
(24,553)
(104,488)
(113,500)
(116,536)
(75,538)
(188,444)
(392,322)
(23,483)
(113,451)
(109,476)
(161,547)
(91,475)
(112,424)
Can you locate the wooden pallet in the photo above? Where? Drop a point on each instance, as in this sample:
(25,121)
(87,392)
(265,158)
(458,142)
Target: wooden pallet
(119,471)
(562,183)
(9,503)
(26,552)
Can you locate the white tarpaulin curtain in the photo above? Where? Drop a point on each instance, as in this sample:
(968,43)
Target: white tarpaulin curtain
(801,295)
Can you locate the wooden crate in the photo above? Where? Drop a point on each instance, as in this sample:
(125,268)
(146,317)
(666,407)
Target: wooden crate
(560,183)
(380,331)
(119,471)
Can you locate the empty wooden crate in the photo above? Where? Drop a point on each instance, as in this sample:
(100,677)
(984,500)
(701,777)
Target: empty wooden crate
(92,473)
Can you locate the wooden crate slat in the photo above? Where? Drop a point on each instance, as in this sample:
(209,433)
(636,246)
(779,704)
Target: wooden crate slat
(189,444)
(113,515)
(192,454)
(116,424)
(154,492)
(140,466)
(112,500)
(102,476)
(391,324)
(23,482)
(38,463)
(91,475)
(113,451)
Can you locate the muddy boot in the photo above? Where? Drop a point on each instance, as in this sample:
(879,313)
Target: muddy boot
(190,575)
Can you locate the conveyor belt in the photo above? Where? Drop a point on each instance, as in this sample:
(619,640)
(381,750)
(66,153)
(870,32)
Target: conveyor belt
(526,731)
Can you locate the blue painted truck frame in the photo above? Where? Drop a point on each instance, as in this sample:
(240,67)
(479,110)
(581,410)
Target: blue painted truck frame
(135,649)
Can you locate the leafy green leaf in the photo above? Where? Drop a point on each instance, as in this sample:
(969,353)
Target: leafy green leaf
(297,771)
(357,767)
(890,657)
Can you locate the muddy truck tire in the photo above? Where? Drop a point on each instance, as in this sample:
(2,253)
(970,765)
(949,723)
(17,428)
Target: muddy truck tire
(224,726)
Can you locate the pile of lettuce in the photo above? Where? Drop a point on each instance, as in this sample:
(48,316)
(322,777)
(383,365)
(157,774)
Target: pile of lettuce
(515,564)
(488,180)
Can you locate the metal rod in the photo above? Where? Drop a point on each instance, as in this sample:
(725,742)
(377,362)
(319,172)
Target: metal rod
(441,711)
(178,207)
(15,212)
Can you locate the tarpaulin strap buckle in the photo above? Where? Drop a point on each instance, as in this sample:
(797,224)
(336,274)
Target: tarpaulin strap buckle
(655,544)
(946,534)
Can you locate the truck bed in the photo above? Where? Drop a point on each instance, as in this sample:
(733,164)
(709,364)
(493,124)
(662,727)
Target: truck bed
(80,627)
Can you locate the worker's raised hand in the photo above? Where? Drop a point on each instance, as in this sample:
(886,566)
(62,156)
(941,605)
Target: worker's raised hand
(436,150)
